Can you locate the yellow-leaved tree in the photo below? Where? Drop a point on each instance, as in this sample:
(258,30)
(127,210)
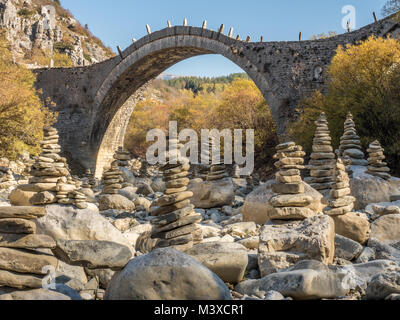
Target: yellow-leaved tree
(363,79)
(22,115)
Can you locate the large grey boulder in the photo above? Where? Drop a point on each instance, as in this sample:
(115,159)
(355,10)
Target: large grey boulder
(258,209)
(370,189)
(93,254)
(69,223)
(382,285)
(300,284)
(387,229)
(346,248)
(115,201)
(212,194)
(227,260)
(353,225)
(166,274)
(283,244)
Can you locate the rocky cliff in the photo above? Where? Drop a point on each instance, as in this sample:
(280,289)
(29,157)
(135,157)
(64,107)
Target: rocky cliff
(43,33)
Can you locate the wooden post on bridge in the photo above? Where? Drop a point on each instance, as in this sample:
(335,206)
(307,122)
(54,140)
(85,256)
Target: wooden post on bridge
(204,24)
(221,29)
(348,26)
(248,39)
(300,36)
(238,37)
(375,17)
(185,22)
(120,52)
(230,33)
(148,29)
(169,24)
(134,40)
(262,39)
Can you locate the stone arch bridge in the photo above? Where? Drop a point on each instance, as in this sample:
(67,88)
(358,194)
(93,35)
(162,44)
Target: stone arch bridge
(95,103)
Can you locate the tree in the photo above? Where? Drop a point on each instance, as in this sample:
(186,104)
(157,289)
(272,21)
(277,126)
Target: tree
(392,6)
(22,115)
(363,79)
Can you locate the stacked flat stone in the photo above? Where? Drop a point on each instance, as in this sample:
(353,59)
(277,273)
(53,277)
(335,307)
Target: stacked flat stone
(112,179)
(123,156)
(291,202)
(79,199)
(21,266)
(205,160)
(322,160)
(49,168)
(176,221)
(90,181)
(376,164)
(64,188)
(350,144)
(340,202)
(217,169)
(7,179)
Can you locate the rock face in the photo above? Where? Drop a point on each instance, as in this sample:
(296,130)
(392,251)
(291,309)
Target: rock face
(299,284)
(93,254)
(370,189)
(175,222)
(29,25)
(67,223)
(340,201)
(227,260)
(387,229)
(376,161)
(353,225)
(212,194)
(322,161)
(257,205)
(282,244)
(166,274)
(21,266)
(350,144)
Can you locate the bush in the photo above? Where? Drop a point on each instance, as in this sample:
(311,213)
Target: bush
(363,79)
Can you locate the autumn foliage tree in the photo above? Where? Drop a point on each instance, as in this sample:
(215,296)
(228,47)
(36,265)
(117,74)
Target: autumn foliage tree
(363,79)
(22,115)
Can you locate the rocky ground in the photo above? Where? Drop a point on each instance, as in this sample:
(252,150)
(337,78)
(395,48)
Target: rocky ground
(101,251)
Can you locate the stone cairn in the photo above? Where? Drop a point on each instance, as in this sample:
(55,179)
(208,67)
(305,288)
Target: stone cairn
(217,169)
(376,164)
(7,179)
(123,157)
(89,181)
(291,202)
(340,201)
(175,223)
(21,265)
(350,144)
(322,160)
(112,179)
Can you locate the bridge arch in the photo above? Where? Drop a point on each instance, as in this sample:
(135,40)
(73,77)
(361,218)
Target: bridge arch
(151,56)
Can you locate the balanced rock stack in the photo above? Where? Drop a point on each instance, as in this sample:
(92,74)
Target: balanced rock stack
(217,169)
(47,170)
(112,179)
(340,202)
(21,266)
(64,188)
(175,222)
(7,179)
(123,156)
(205,160)
(350,144)
(322,160)
(291,201)
(90,181)
(376,164)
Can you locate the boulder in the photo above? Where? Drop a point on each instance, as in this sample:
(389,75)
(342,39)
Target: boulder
(250,243)
(353,225)
(227,260)
(382,285)
(104,276)
(158,185)
(241,229)
(36,294)
(166,274)
(257,205)
(21,198)
(346,248)
(93,254)
(211,194)
(133,234)
(129,193)
(70,223)
(370,189)
(300,284)
(115,201)
(283,244)
(127,175)
(387,229)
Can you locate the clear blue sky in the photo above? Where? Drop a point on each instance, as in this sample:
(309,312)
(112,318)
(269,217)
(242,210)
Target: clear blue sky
(116,22)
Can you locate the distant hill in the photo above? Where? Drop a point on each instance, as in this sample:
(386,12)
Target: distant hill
(42,32)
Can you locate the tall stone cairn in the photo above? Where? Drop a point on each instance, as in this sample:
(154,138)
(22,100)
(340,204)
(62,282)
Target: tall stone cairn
(112,179)
(350,144)
(217,169)
(175,222)
(21,267)
(340,201)
(291,201)
(376,164)
(122,156)
(322,160)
